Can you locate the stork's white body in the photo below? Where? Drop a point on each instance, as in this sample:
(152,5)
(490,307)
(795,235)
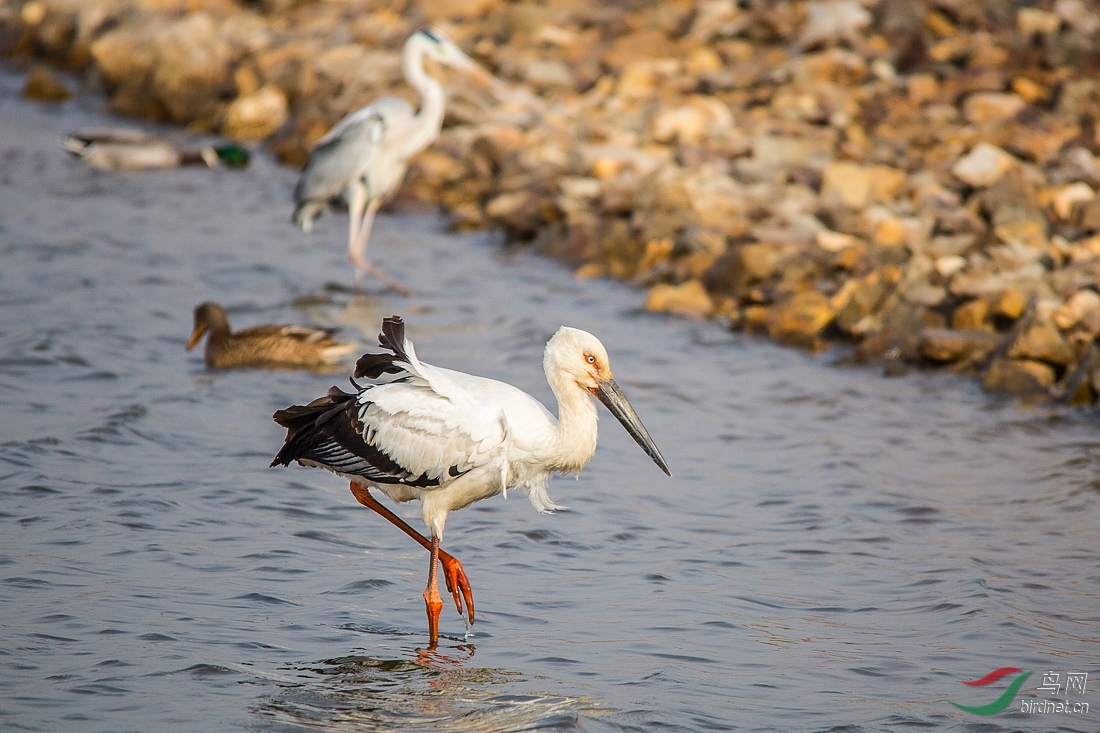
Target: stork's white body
(450,439)
(498,436)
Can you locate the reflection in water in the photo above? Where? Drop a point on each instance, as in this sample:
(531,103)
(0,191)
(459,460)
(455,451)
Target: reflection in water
(434,690)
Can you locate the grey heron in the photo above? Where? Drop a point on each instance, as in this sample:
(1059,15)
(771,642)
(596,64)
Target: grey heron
(449,439)
(364,157)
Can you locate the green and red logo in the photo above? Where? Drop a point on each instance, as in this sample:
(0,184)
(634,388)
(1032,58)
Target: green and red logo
(1006,697)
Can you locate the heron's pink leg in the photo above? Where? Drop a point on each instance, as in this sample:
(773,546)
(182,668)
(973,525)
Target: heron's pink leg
(453,574)
(357,248)
(357,204)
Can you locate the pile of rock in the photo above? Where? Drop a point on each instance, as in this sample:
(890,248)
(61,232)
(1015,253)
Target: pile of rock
(919,177)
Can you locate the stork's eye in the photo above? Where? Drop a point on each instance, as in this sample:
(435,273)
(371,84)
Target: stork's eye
(590,359)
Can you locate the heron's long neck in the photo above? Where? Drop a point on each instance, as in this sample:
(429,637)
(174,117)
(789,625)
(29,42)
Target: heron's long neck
(429,119)
(576,431)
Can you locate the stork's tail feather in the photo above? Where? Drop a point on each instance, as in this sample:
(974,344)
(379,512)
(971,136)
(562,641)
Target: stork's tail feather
(393,336)
(301,423)
(372,366)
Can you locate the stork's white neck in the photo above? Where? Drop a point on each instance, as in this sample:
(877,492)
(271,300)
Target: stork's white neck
(576,432)
(429,119)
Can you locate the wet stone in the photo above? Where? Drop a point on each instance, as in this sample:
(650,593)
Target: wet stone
(1020,377)
(950,345)
(42,84)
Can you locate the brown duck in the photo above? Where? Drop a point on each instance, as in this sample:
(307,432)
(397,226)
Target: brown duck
(273,347)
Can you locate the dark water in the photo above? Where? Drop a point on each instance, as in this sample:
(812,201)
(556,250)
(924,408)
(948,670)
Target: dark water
(837,551)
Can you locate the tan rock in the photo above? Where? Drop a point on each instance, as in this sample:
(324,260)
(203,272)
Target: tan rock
(801,319)
(43,85)
(1064,198)
(971,315)
(771,153)
(1086,215)
(193,62)
(520,211)
(948,265)
(890,232)
(641,44)
(590,271)
(1041,142)
(657,252)
(548,74)
(1010,304)
(828,21)
(1034,22)
(256,116)
(886,182)
(434,12)
(986,107)
(1020,224)
(1023,378)
(835,241)
(760,260)
(1030,90)
(984,165)
(1042,342)
(125,56)
(849,184)
(689,299)
(703,60)
(701,118)
(754,318)
(922,88)
(1080,304)
(949,345)
(1077,15)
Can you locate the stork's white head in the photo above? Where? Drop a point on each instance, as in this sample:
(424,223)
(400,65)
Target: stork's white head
(577,357)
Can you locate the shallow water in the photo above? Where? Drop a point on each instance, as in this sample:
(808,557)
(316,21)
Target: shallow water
(837,550)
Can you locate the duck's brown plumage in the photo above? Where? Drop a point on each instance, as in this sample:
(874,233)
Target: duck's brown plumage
(273,347)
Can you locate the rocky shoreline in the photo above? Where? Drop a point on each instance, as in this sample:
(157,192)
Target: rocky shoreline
(918,179)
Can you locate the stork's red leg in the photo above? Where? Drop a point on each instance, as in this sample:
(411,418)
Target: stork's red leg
(432,602)
(453,574)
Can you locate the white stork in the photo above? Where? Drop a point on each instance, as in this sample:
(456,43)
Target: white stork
(450,439)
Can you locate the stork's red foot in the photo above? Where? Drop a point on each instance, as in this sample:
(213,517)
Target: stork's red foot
(434,605)
(457,583)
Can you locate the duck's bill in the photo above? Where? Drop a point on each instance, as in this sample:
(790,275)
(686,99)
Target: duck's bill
(613,398)
(195,336)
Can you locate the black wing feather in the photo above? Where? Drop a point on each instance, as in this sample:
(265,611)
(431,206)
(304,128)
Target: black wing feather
(327,431)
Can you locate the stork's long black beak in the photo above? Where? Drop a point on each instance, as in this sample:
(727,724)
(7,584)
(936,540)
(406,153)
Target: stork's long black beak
(614,399)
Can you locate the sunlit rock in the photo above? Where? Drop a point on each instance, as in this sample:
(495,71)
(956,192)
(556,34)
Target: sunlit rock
(256,116)
(689,299)
(949,345)
(983,165)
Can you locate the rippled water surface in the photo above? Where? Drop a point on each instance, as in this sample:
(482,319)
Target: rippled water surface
(837,550)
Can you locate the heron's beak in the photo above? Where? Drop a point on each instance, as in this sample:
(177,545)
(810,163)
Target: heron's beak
(195,336)
(476,70)
(614,399)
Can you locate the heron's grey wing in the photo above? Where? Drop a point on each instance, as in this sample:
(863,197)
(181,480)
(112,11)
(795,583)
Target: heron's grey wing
(346,151)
